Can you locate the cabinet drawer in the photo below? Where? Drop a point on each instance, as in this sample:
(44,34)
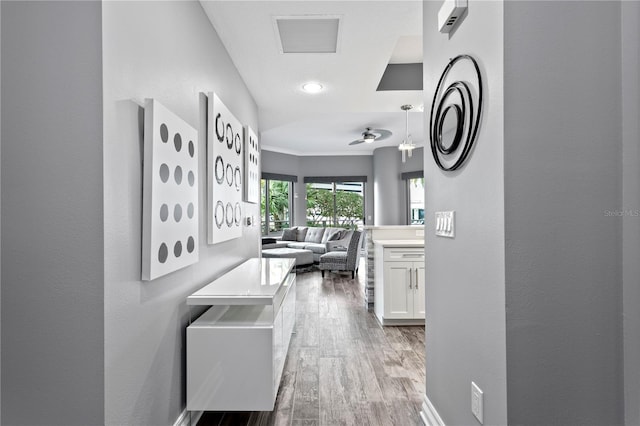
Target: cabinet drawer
(404,254)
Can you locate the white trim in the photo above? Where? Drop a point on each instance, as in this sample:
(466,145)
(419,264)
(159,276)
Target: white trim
(185,419)
(429,415)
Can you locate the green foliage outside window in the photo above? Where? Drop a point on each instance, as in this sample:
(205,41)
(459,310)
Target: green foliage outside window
(278,204)
(346,210)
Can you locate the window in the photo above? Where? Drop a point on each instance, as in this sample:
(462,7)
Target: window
(416,201)
(338,203)
(276,203)
(415,197)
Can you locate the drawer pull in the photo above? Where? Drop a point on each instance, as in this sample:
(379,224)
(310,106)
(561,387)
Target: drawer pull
(412,255)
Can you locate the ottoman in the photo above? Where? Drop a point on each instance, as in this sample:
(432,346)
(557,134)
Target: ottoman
(302,257)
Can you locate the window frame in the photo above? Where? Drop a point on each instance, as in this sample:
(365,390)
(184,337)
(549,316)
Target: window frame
(264,219)
(408,177)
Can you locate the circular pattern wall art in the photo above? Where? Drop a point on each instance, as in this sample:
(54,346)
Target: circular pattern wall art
(225,166)
(251,166)
(455,116)
(167,193)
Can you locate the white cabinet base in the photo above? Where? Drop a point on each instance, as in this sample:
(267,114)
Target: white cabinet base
(236,353)
(399,322)
(399,283)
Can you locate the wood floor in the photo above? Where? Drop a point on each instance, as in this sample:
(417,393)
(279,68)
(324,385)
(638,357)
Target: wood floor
(343,368)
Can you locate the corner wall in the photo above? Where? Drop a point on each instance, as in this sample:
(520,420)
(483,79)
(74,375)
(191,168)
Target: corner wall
(631,202)
(168,51)
(52,234)
(562,175)
(465,295)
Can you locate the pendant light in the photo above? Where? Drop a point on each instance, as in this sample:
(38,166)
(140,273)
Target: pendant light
(407,145)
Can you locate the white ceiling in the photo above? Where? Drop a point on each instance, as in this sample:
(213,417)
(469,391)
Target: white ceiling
(299,123)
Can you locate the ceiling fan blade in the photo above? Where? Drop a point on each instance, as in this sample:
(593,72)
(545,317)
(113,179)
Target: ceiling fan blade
(357,142)
(384,133)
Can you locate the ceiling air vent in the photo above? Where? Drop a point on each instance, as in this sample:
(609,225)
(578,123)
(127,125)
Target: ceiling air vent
(308,34)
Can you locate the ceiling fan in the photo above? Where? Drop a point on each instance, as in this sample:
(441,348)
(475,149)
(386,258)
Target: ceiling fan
(370,135)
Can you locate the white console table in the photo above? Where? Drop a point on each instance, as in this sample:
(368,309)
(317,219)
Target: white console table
(236,350)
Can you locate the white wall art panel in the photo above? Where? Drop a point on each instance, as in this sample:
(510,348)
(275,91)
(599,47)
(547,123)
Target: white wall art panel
(251,166)
(170,193)
(225,172)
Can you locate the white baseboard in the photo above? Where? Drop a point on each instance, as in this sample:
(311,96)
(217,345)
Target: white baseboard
(429,414)
(188,418)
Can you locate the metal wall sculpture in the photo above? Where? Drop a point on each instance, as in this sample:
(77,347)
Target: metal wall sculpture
(455,117)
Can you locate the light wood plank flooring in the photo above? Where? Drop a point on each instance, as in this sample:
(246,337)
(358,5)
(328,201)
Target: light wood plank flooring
(343,368)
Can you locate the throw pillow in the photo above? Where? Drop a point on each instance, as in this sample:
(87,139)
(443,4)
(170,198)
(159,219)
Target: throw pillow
(302,233)
(337,235)
(290,234)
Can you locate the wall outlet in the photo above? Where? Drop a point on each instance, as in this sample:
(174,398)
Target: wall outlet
(476,402)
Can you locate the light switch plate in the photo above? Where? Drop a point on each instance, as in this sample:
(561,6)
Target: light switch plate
(445,224)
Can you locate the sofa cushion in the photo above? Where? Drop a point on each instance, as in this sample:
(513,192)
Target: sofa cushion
(314,235)
(302,233)
(277,244)
(316,247)
(290,234)
(297,245)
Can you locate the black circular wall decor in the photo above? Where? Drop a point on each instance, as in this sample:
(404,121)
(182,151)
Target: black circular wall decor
(219,215)
(219,133)
(467,114)
(219,170)
(229,136)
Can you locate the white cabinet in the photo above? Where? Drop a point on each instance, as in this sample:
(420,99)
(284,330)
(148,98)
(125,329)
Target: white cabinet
(236,352)
(399,285)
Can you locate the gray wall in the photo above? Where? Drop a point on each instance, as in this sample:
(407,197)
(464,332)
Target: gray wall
(631,201)
(52,240)
(0,215)
(388,187)
(562,173)
(346,165)
(168,51)
(465,296)
(301,166)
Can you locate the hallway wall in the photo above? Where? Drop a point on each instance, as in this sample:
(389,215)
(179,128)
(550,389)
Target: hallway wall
(168,51)
(465,290)
(52,235)
(631,202)
(563,147)
(535,319)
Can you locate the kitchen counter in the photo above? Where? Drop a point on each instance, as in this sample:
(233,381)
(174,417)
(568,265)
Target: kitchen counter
(400,243)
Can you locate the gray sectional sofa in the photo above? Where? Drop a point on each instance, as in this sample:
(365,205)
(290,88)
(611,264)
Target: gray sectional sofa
(318,240)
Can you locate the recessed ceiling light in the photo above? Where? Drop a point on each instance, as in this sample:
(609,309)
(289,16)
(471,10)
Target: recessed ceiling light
(312,87)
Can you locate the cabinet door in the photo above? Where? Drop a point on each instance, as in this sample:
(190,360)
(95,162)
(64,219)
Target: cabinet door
(418,290)
(398,297)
